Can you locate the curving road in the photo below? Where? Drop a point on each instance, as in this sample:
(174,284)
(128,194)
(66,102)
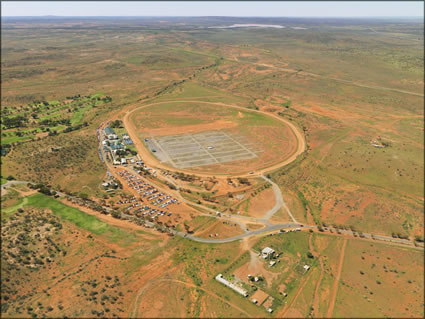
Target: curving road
(279,202)
(269,228)
(11,183)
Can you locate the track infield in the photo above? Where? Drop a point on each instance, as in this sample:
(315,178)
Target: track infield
(204,148)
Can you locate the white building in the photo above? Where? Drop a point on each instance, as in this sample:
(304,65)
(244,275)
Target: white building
(112,137)
(267,252)
(239,290)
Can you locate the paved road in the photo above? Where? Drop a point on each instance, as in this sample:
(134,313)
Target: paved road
(279,202)
(11,183)
(269,228)
(250,233)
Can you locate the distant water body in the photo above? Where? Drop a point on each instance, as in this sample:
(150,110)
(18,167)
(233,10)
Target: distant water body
(250,25)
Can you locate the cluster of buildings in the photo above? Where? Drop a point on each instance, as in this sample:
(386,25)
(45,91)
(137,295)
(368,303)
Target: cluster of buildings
(114,145)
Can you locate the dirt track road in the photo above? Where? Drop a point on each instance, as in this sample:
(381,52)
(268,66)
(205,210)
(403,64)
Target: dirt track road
(136,304)
(348,82)
(336,282)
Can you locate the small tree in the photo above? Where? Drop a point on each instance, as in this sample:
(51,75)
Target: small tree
(116,214)
(83,195)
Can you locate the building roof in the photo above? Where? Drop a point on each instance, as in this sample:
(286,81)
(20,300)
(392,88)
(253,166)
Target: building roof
(238,289)
(117,146)
(267,251)
(109,130)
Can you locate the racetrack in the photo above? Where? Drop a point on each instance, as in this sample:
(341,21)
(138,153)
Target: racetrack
(151,161)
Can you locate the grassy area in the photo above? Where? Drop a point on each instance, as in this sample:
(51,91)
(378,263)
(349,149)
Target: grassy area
(71,214)
(79,218)
(14,139)
(21,202)
(78,116)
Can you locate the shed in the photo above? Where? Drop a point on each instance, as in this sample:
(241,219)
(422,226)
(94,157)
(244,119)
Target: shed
(109,130)
(267,252)
(117,146)
(112,137)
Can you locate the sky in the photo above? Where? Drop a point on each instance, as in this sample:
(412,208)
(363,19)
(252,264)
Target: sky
(210,8)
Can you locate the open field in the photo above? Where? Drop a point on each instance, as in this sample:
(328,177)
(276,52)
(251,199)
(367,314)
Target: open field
(327,111)
(380,275)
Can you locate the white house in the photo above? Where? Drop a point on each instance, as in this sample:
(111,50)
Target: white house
(267,252)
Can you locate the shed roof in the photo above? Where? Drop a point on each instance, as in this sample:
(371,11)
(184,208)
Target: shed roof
(109,130)
(267,251)
(117,146)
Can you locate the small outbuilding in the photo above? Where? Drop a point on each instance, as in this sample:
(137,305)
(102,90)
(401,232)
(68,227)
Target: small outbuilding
(267,252)
(109,130)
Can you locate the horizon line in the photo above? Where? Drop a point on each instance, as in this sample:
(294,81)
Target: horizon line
(199,16)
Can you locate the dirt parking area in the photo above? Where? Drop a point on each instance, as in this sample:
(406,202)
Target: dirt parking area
(260,296)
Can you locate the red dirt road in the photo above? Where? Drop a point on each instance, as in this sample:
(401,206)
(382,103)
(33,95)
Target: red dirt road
(336,282)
